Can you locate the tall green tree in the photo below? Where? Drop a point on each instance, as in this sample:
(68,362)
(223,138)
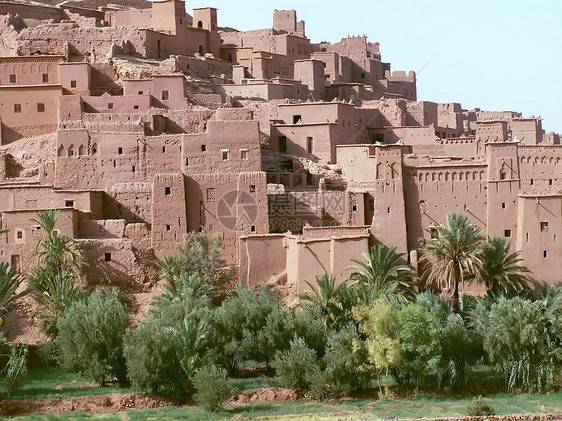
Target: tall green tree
(502,272)
(10,282)
(334,302)
(455,255)
(383,274)
(53,281)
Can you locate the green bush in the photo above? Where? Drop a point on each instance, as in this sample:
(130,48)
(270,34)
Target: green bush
(164,352)
(522,339)
(298,366)
(212,387)
(480,408)
(90,337)
(343,363)
(14,372)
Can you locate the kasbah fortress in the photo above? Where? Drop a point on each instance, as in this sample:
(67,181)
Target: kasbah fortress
(142,123)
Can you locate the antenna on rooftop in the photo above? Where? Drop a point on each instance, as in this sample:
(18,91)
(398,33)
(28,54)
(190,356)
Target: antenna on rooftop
(425,65)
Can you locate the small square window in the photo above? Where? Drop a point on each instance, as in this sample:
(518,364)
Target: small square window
(167,191)
(203,148)
(73,84)
(17,108)
(136,107)
(550,181)
(503,205)
(168,227)
(165,95)
(362,75)
(71,152)
(40,107)
(211,195)
(503,175)
(253,228)
(12,78)
(532,182)
(120,151)
(69,203)
(243,154)
(545,254)
(133,169)
(45,77)
(225,155)
(163,149)
(110,106)
(544,226)
(141,92)
(108,257)
(19,235)
(354,207)
(252,189)
(507,233)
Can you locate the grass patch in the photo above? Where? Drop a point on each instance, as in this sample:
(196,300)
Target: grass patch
(41,383)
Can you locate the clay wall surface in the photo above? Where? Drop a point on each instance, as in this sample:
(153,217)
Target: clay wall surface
(227,204)
(30,13)
(30,70)
(311,74)
(76,78)
(139,18)
(261,258)
(226,147)
(28,111)
(285,20)
(527,130)
(539,225)
(434,189)
(540,169)
(292,210)
(117,104)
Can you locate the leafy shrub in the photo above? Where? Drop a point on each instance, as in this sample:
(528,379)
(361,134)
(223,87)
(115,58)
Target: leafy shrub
(212,387)
(48,352)
(164,352)
(298,366)
(14,373)
(522,339)
(343,362)
(90,337)
(480,407)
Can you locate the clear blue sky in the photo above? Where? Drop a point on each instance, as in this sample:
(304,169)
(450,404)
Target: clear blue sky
(490,54)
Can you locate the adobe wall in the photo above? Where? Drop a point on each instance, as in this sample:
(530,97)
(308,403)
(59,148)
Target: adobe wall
(262,257)
(31,14)
(28,111)
(540,168)
(539,243)
(293,210)
(226,146)
(212,195)
(138,18)
(434,188)
(30,70)
(131,202)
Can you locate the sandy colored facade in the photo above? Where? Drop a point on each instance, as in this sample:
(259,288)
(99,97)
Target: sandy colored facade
(141,125)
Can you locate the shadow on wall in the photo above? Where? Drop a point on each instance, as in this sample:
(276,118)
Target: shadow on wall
(113,209)
(13,167)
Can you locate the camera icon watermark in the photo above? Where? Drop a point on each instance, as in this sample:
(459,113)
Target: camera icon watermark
(237,210)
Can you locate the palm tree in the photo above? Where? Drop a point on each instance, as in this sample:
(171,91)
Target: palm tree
(455,255)
(383,274)
(10,282)
(501,270)
(334,303)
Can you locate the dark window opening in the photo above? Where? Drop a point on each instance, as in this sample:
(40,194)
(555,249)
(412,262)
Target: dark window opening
(377,137)
(71,152)
(354,207)
(133,169)
(45,77)
(253,228)
(503,175)
(12,78)
(387,210)
(203,148)
(243,154)
(136,107)
(200,25)
(108,257)
(110,106)
(532,181)
(282,144)
(545,254)
(40,107)
(141,92)
(550,182)
(201,50)
(362,75)
(69,203)
(165,95)
(17,108)
(507,233)
(308,178)
(544,226)
(73,84)
(163,149)
(168,227)
(252,189)
(187,162)
(120,151)
(296,119)
(433,232)
(167,191)
(225,155)
(19,235)
(503,205)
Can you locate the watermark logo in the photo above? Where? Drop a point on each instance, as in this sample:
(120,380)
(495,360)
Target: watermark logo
(237,210)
